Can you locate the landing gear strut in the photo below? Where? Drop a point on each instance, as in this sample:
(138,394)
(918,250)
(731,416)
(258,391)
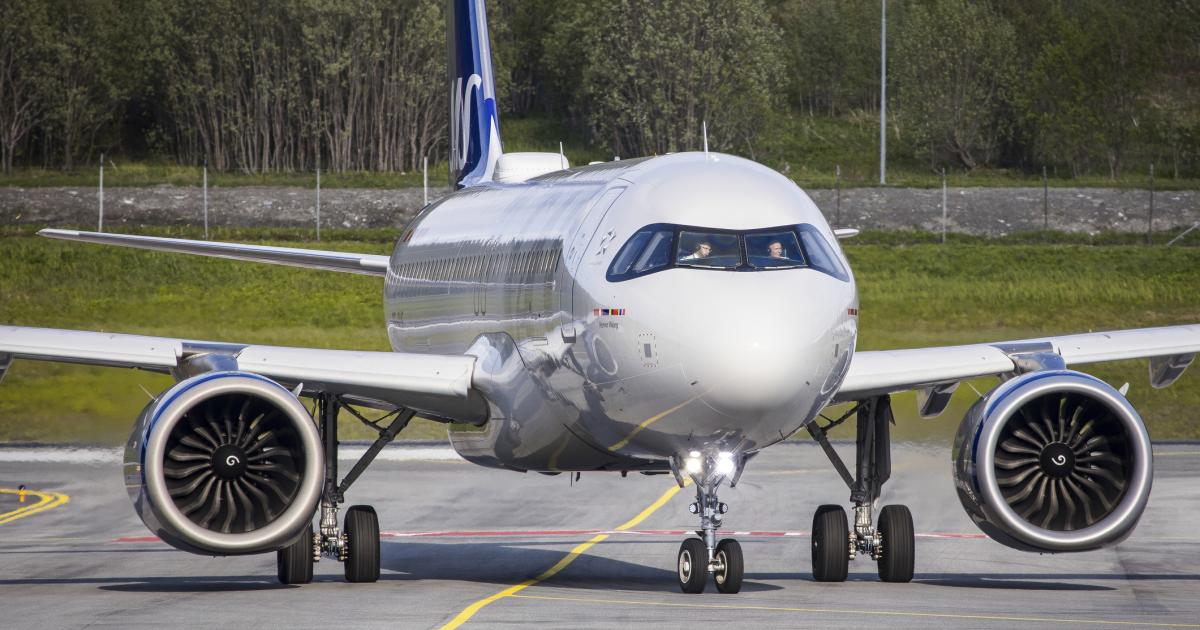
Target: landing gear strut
(357,547)
(698,557)
(834,543)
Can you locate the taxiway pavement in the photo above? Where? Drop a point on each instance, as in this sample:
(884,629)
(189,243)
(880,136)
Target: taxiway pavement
(498,549)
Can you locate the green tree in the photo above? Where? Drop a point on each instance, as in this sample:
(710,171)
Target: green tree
(651,71)
(832,49)
(26,36)
(954,74)
(85,91)
(1084,97)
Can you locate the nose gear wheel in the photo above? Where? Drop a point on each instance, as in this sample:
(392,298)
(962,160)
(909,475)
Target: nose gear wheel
(692,566)
(728,569)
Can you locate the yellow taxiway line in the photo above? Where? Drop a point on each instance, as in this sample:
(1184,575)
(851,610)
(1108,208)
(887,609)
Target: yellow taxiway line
(579,549)
(880,613)
(46,501)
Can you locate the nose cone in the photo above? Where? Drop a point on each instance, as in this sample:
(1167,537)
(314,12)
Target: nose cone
(761,349)
(751,362)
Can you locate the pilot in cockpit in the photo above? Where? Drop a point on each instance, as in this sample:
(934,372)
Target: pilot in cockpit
(702,251)
(775,250)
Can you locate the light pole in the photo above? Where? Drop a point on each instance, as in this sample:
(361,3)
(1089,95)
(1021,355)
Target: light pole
(883,93)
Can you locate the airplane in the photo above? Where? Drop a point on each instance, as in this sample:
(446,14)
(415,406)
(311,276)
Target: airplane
(668,315)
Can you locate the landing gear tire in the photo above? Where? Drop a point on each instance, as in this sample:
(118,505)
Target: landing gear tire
(729,560)
(830,544)
(693,566)
(362,534)
(899,547)
(294,563)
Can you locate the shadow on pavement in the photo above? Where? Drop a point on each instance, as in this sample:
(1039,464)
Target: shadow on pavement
(203,584)
(504,564)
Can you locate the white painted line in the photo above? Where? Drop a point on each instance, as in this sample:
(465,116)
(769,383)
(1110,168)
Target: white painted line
(101,455)
(60,455)
(404,454)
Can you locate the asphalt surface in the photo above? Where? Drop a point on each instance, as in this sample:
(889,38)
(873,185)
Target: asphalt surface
(457,535)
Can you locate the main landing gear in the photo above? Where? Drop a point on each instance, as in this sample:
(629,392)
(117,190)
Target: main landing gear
(357,545)
(891,542)
(699,557)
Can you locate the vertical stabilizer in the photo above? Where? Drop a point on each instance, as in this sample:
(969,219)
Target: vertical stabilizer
(474,122)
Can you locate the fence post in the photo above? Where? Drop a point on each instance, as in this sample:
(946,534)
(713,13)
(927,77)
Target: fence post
(1150,218)
(943,205)
(1045,201)
(100,225)
(425,178)
(838,185)
(318,198)
(206,198)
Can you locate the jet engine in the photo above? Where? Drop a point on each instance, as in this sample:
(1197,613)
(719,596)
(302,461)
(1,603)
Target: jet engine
(225,463)
(1053,461)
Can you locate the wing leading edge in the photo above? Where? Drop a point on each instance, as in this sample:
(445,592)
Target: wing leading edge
(368,264)
(1171,349)
(437,385)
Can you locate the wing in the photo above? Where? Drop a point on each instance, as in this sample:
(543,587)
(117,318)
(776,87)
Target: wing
(370,264)
(436,385)
(937,370)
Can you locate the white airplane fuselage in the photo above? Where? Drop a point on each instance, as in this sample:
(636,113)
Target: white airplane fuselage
(623,375)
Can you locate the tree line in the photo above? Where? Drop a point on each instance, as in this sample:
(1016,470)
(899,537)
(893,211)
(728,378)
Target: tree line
(1082,86)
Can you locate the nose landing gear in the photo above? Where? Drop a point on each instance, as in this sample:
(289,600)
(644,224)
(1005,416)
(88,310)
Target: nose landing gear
(698,557)
(891,543)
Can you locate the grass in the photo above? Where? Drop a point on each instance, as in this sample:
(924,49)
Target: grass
(807,148)
(913,293)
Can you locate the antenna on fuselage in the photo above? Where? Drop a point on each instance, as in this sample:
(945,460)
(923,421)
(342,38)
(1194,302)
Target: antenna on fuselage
(704,132)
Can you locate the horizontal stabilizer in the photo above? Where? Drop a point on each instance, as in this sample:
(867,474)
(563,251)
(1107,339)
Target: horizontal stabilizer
(368,264)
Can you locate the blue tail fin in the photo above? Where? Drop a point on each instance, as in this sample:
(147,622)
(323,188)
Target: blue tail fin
(474,122)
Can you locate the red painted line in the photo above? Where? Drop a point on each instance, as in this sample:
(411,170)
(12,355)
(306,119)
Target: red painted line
(529,533)
(498,533)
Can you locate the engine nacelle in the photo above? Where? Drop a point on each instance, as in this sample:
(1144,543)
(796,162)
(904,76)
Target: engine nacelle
(225,463)
(1053,461)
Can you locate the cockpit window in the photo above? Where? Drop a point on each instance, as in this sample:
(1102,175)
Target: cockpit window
(773,249)
(820,254)
(648,250)
(658,247)
(708,249)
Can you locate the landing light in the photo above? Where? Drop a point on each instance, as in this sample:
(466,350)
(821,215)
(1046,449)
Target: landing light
(693,463)
(725,464)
